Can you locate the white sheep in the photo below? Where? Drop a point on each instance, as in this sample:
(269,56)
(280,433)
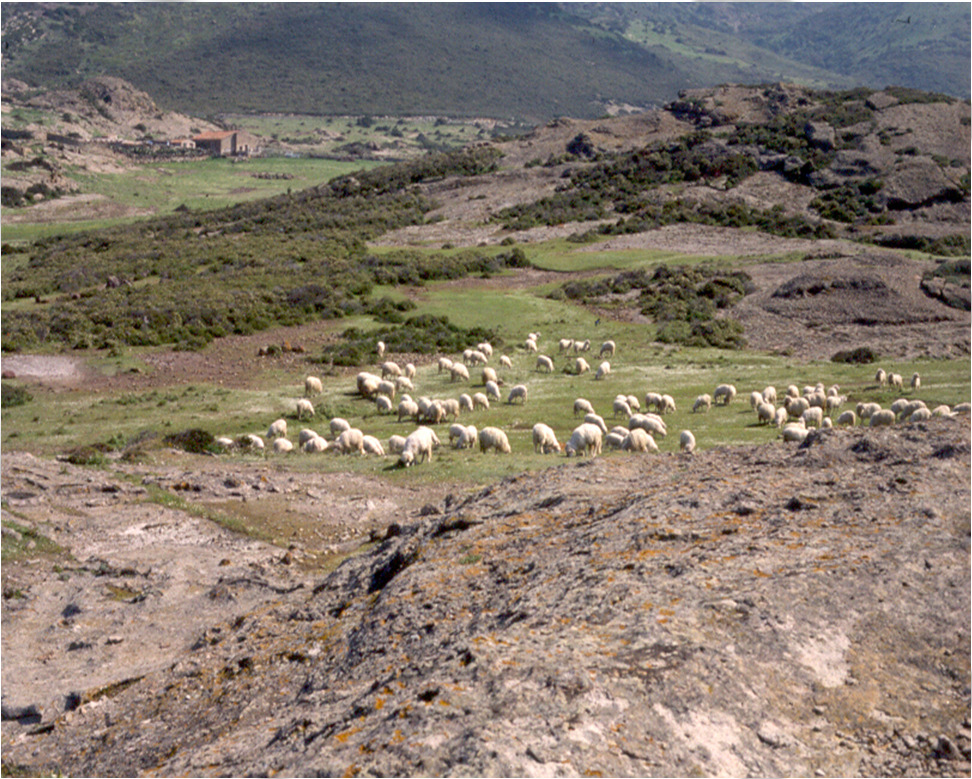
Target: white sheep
(351,440)
(486,348)
(812,417)
(780,417)
(581,366)
(899,406)
(409,371)
(533,336)
(380,349)
(407,408)
(792,391)
(383,404)
(480,401)
(305,435)
(686,441)
(372,445)
(585,439)
(633,402)
(304,407)
(621,406)
(404,383)
(724,393)
(883,418)
(431,411)
(313,386)
(463,437)
(418,446)
(544,439)
(476,357)
(595,419)
(489,374)
(827,423)
(495,439)
(458,371)
(250,441)
(282,446)
(895,380)
(755,398)
(225,442)
(614,440)
(565,344)
(942,411)
(795,433)
(795,406)
(769,395)
(386,388)
(390,368)
(962,408)
(367,383)
(667,405)
(866,410)
(583,406)
(505,361)
(702,403)
(638,440)
(445,364)
(466,402)
(916,382)
(881,377)
(765,413)
(582,346)
(602,370)
(396,444)
(492,390)
(834,402)
(519,392)
(544,364)
(530,345)
(278,429)
(608,348)
(650,423)
(847,418)
(338,426)
(911,408)
(451,407)
(315,445)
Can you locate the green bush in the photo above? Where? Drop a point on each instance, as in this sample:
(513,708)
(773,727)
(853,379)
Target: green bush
(195,440)
(860,356)
(12,395)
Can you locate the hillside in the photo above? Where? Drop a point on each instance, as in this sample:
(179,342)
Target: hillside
(530,61)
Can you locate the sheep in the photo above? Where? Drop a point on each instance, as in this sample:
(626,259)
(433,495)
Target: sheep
(581,366)
(702,403)
(792,391)
(816,399)
(899,406)
(667,405)
(638,440)
(338,426)
(407,408)
(489,374)
(305,435)
(633,402)
(583,406)
(409,371)
(386,388)
(769,395)
(833,390)
(367,383)
(351,440)
(390,368)
(865,410)
(602,370)
(544,439)
(827,423)
(458,371)
(372,445)
(486,348)
(765,413)
(796,406)
(755,398)
(881,377)
(911,408)
(883,418)
(585,439)
(530,345)
(565,344)
(812,416)
(418,446)
(404,383)
(780,417)
(396,444)
(313,386)
(224,442)
(282,446)
(834,402)
(725,393)
(445,364)
(920,415)
(544,364)
(614,440)
(621,430)
(653,399)
(519,392)
(896,381)
(466,402)
(594,419)
(315,445)
(476,357)
(649,423)
(942,411)
(462,437)
(582,346)
(492,390)
(278,429)
(962,408)
(495,439)
(533,336)
(621,406)
(686,441)
(383,404)
(794,432)
(480,401)
(608,348)
(250,441)
(505,361)
(432,411)
(847,418)
(380,349)
(451,407)
(915,382)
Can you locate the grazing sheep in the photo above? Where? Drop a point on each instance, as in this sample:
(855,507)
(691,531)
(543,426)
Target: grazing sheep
(367,383)
(962,408)
(702,403)
(725,393)
(795,406)
(896,381)
(396,444)
(383,404)
(795,432)
(881,377)
(533,336)
(466,402)
(351,440)
(899,406)
(564,344)
(812,417)
(942,411)
(461,436)
(409,371)
(380,349)
(614,440)
(602,370)
(827,423)
(489,374)
(765,413)
(495,439)
(458,371)
(544,364)
(390,368)
(792,391)
(816,399)
(475,357)
(650,423)
(305,435)
(595,419)
(250,441)
(911,408)
(315,445)
(582,346)
(505,361)
(583,406)
(431,411)
(386,388)
(486,348)
(769,395)
(282,446)
(372,446)
(445,364)
(480,401)
(686,441)
(847,418)
(608,348)
(492,390)
(883,418)
(621,407)
(451,407)
(404,383)
(544,439)
(519,392)
(621,430)
(407,408)
(585,439)
(633,402)
(418,446)
(833,390)
(667,405)
(865,410)
(653,399)
(313,386)
(780,417)
(916,382)
(338,426)
(530,345)
(755,398)
(224,442)
(834,402)
(581,366)
(638,440)
(278,429)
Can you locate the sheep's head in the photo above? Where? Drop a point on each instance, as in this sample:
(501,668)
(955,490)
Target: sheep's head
(406,459)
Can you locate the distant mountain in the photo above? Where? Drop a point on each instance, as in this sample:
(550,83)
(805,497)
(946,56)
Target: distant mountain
(531,61)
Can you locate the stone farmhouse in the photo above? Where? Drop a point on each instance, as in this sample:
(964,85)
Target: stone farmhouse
(227,142)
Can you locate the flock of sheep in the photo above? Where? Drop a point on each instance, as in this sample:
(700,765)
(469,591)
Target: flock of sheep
(799,411)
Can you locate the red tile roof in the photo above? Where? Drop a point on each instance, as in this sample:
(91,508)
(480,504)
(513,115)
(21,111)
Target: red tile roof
(213,136)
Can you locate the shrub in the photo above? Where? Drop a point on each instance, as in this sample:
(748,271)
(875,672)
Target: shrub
(195,440)
(12,395)
(859,356)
